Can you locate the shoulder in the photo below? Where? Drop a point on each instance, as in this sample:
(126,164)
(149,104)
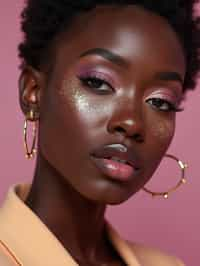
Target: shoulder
(153,257)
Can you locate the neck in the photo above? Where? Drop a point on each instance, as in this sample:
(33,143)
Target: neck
(77,222)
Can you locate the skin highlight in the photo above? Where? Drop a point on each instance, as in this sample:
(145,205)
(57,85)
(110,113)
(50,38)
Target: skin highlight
(163,131)
(75,119)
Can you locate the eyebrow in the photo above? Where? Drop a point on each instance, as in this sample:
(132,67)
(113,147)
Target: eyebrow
(120,61)
(108,55)
(169,76)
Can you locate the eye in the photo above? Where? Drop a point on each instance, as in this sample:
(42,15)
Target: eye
(97,84)
(163,105)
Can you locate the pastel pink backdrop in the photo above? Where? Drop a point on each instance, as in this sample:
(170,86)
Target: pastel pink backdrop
(173,224)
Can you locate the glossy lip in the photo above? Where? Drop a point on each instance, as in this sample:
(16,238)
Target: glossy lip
(114,170)
(118,150)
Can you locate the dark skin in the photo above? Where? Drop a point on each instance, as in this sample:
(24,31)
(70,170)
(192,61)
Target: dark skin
(74,119)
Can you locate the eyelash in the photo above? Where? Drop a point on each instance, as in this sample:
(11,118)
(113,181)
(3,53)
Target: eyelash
(99,82)
(172,107)
(94,78)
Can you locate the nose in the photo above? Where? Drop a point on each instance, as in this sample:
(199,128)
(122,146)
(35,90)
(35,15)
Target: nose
(128,121)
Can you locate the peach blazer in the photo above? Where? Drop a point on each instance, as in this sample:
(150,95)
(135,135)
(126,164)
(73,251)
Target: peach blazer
(26,241)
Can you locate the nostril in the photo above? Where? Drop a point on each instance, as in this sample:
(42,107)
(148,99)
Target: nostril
(138,137)
(120,129)
(127,128)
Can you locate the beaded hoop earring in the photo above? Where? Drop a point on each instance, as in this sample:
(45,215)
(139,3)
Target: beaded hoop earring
(182,180)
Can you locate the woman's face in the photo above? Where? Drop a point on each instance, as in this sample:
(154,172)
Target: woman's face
(116,79)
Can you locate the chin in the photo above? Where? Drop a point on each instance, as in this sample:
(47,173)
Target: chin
(114,200)
(118,199)
(111,195)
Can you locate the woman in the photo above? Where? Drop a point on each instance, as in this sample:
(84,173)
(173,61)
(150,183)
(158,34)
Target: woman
(101,83)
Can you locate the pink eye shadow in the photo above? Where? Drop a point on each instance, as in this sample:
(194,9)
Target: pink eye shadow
(98,72)
(167,95)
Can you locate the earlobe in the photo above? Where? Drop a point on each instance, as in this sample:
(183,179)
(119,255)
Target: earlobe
(29,91)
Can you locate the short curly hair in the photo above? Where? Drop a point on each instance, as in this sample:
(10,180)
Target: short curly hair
(42,20)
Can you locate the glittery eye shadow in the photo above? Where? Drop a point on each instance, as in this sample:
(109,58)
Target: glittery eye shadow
(167,95)
(98,72)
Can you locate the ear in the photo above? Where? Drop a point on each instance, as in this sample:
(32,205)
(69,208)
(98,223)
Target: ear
(30,85)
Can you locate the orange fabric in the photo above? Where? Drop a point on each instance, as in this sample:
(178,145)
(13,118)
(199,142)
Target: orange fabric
(30,241)
(26,241)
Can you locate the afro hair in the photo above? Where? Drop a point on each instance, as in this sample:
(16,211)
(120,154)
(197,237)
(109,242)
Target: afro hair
(42,20)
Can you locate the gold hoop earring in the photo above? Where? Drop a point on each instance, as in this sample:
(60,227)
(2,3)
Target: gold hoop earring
(182,180)
(30,116)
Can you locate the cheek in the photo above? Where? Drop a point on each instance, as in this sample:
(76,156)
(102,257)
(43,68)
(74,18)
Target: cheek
(160,134)
(163,130)
(70,92)
(89,108)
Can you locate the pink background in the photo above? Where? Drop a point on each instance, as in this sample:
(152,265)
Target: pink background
(171,225)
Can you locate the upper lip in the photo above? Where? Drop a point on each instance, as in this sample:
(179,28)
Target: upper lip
(120,151)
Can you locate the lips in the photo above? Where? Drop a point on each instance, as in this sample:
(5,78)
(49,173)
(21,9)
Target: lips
(116,161)
(117,152)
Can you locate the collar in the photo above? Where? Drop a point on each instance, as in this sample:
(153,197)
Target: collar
(32,243)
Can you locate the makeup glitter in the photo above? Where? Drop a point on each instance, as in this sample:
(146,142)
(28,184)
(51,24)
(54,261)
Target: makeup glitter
(72,87)
(84,101)
(163,130)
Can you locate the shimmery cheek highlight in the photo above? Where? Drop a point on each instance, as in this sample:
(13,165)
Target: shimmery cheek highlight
(70,91)
(163,130)
(85,104)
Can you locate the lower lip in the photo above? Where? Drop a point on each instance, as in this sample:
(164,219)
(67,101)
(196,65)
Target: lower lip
(113,169)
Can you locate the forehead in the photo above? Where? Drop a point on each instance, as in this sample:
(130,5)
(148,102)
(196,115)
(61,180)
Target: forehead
(138,35)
